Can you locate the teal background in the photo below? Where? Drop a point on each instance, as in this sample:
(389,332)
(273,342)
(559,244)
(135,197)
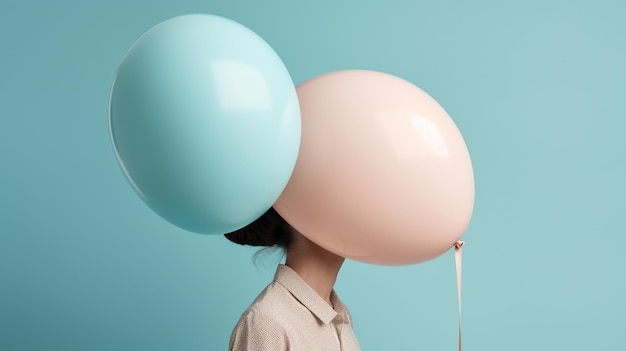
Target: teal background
(536,87)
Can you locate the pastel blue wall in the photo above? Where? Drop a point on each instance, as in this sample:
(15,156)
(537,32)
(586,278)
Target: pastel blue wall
(538,89)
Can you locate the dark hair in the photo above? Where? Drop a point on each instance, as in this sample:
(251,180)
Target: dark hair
(268,230)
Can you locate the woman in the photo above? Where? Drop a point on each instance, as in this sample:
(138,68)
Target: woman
(299,310)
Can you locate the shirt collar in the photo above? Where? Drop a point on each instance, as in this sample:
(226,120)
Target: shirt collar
(310,299)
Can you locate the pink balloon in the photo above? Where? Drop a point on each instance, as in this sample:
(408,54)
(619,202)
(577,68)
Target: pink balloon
(383,175)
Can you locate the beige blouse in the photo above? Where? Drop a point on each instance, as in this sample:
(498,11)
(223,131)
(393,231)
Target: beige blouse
(290,315)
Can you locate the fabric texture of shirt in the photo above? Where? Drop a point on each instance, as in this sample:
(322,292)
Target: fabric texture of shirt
(290,315)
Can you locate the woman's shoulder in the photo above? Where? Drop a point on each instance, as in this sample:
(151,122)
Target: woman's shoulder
(264,325)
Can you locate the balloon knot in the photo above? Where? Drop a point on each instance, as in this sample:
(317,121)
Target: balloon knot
(459,244)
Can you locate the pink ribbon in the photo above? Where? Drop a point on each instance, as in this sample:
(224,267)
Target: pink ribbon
(458,258)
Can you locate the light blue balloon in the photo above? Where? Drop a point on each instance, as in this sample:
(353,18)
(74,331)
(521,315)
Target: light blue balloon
(205,122)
